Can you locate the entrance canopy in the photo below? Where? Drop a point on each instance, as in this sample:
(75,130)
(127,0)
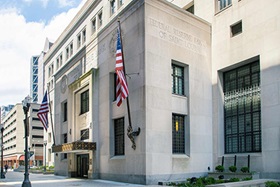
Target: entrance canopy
(74,147)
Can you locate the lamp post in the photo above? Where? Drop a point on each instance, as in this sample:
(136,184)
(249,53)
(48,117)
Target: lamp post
(25,106)
(45,144)
(2,146)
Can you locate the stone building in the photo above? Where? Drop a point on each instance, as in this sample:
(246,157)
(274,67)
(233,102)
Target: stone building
(200,91)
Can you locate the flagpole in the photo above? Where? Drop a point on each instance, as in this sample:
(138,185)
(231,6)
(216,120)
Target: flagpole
(51,114)
(130,132)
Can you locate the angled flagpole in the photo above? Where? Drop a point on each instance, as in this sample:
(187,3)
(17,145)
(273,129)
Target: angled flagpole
(51,115)
(130,132)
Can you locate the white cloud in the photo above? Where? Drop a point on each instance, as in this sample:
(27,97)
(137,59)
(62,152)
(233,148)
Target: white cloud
(19,41)
(65,3)
(45,3)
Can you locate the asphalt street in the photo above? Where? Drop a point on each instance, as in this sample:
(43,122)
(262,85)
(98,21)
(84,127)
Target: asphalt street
(40,180)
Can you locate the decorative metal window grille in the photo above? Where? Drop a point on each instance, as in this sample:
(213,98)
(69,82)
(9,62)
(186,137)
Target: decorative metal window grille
(85,102)
(178,80)
(85,134)
(242,109)
(178,134)
(119,136)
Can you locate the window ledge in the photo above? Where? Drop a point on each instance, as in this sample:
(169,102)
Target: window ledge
(117,157)
(179,96)
(180,156)
(223,9)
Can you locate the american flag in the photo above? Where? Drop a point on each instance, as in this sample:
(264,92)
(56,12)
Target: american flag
(121,84)
(43,111)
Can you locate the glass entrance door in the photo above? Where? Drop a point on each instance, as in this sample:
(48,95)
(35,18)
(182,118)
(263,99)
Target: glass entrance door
(82,166)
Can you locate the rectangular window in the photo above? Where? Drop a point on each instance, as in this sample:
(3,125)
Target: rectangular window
(178,134)
(100,19)
(60,59)
(236,28)
(242,109)
(93,25)
(65,138)
(121,2)
(113,6)
(71,49)
(57,63)
(64,110)
(67,52)
(79,40)
(84,35)
(85,134)
(223,3)
(37,136)
(119,136)
(37,128)
(178,80)
(84,102)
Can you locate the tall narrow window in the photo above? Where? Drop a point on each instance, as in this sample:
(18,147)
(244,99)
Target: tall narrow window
(64,105)
(93,25)
(178,134)
(113,6)
(65,138)
(242,109)
(84,34)
(100,19)
(79,40)
(178,80)
(121,2)
(67,52)
(71,49)
(60,59)
(85,102)
(57,63)
(119,136)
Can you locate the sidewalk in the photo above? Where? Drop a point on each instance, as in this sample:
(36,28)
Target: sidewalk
(15,179)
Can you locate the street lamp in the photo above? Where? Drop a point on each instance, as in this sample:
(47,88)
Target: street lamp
(25,106)
(45,144)
(2,147)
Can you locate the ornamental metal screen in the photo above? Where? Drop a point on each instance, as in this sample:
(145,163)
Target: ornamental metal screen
(178,134)
(119,136)
(242,109)
(178,80)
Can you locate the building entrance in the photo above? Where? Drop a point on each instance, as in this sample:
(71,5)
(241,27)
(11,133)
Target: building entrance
(82,165)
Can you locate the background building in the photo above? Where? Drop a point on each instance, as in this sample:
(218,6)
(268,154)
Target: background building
(5,110)
(14,133)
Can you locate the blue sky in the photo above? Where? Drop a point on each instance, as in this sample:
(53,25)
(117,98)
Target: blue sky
(39,10)
(25,25)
